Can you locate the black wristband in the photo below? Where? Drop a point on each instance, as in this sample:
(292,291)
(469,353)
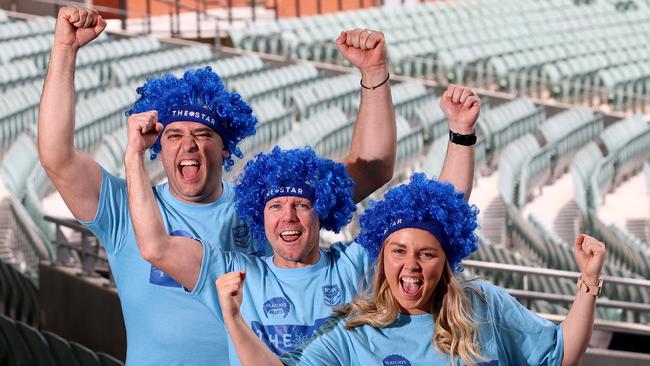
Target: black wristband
(376,86)
(465,140)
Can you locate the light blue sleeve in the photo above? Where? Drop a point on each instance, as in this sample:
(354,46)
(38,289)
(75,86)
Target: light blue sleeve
(111,221)
(331,345)
(358,258)
(215,263)
(527,338)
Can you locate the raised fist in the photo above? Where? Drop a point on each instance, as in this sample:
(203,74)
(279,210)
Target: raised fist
(143,130)
(77,26)
(230,288)
(590,256)
(364,48)
(461,106)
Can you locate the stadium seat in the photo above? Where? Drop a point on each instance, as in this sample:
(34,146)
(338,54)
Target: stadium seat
(84,355)
(37,345)
(108,360)
(20,354)
(61,350)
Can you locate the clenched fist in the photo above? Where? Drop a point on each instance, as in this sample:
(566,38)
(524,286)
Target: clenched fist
(143,130)
(366,50)
(77,26)
(230,288)
(590,256)
(461,106)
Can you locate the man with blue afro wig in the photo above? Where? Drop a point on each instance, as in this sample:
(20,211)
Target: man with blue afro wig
(200,97)
(427,205)
(295,173)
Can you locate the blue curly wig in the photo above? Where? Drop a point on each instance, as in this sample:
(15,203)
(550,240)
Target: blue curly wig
(331,185)
(201,88)
(423,203)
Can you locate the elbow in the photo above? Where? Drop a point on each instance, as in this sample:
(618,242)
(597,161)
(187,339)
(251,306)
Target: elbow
(151,253)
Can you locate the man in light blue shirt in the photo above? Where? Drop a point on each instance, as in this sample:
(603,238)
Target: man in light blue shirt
(201,127)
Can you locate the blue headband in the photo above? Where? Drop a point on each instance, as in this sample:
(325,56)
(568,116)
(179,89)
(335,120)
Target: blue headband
(191,113)
(295,189)
(432,227)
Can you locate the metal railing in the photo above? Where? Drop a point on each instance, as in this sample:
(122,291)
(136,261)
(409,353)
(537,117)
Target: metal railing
(526,294)
(85,252)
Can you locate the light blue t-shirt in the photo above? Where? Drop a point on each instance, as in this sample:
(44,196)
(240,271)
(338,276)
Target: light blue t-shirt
(509,334)
(285,307)
(164,324)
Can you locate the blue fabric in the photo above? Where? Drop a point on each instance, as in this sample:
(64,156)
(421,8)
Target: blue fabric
(509,334)
(285,307)
(164,324)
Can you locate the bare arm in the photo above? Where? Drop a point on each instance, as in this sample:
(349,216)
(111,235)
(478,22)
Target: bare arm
(371,159)
(177,256)
(75,175)
(461,107)
(579,323)
(250,349)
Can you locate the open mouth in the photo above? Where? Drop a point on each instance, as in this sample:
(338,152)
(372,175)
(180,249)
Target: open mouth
(410,285)
(290,235)
(189,169)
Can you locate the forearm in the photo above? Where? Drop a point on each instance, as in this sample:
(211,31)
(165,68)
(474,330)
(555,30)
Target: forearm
(458,168)
(147,222)
(371,159)
(250,349)
(577,328)
(56,114)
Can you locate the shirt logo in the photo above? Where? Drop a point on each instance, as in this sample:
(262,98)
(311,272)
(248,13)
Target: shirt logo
(332,295)
(277,306)
(240,235)
(489,363)
(396,360)
(160,278)
(284,338)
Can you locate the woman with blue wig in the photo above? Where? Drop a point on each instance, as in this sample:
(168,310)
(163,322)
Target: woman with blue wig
(417,312)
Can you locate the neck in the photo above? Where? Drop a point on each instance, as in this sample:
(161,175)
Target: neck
(309,260)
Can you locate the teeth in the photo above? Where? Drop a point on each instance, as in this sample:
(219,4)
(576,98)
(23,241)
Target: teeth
(290,232)
(410,279)
(189,162)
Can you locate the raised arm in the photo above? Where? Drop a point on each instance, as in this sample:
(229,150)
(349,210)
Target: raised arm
(579,323)
(461,107)
(75,175)
(177,256)
(371,159)
(250,349)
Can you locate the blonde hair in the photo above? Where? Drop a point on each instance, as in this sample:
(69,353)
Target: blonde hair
(456,334)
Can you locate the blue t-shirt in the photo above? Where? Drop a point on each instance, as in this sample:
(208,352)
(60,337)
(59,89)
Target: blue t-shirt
(164,324)
(509,334)
(285,307)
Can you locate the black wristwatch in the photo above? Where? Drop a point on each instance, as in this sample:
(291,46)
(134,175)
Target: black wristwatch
(465,140)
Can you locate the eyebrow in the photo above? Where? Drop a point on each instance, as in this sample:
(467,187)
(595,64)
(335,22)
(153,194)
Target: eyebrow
(402,245)
(180,130)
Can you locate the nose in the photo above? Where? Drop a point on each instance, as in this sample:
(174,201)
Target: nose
(189,144)
(412,263)
(289,213)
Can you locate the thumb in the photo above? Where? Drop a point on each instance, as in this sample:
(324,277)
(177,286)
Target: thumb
(101,25)
(159,127)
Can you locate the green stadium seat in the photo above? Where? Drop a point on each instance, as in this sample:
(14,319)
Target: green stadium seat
(108,360)
(20,354)
(84,355)
(61,350)
(37,345)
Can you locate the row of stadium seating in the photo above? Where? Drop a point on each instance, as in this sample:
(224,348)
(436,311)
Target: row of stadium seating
(22,344)
(564,48)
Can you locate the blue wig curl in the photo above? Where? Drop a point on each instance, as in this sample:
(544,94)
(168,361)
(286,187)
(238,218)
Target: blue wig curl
(200,88)
(329,180)
(423,200)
